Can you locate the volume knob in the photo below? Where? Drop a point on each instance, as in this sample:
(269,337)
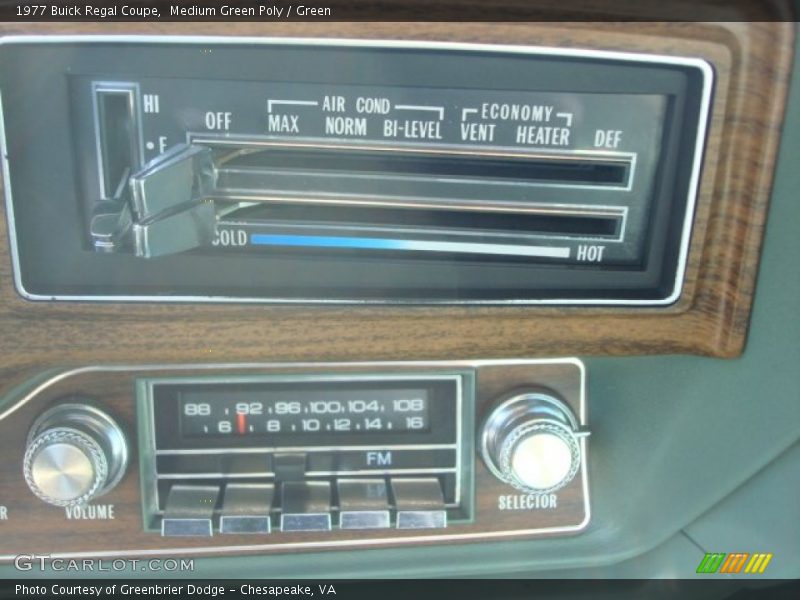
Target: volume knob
(75,453)
(531,441)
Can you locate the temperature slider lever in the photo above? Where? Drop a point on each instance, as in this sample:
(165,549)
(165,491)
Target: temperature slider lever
(162,208)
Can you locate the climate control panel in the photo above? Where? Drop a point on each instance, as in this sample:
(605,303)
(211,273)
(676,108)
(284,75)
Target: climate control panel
(320,171)
(222,458)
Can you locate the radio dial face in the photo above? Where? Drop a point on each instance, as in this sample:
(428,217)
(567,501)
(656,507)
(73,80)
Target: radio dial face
(307,414)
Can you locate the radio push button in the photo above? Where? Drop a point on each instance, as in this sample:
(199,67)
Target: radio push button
(246,507)
(419,503)
(363,504)
(190,510)
(306,506)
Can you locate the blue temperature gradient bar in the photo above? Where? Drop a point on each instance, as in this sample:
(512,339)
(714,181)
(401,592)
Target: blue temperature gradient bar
(369,243)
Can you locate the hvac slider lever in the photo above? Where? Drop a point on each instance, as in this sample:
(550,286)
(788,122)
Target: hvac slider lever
(163,208)
(392,195)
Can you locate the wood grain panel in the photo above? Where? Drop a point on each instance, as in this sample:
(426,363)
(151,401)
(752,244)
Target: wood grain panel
(752,63)
(33,526)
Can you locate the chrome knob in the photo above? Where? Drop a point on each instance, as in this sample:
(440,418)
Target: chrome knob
(531,441)
(75,453)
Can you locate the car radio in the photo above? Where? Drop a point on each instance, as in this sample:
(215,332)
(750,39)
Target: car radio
(303,431)
(223,169)
(123,460)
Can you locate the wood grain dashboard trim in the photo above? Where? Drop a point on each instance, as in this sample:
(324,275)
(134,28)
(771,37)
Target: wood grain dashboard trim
(752,62)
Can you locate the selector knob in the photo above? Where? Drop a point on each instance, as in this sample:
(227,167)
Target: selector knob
(75,452)
(531,441)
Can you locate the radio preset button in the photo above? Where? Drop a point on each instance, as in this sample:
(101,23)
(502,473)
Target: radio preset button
(306,506)
(419,503)
(363,504)
(190,510)
(246,508)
